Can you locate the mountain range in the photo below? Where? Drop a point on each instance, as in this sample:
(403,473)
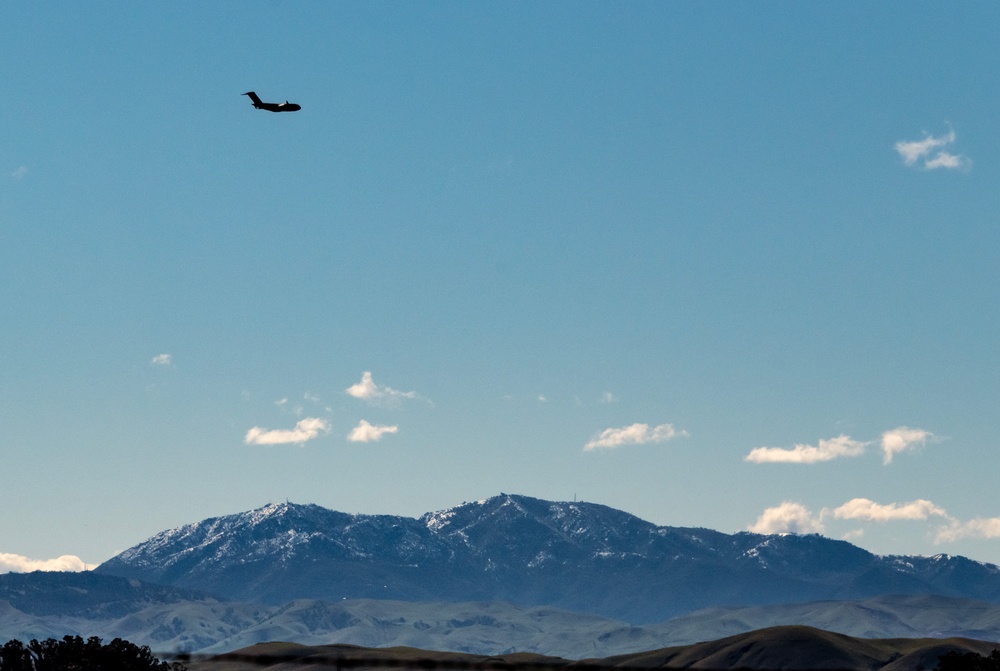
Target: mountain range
(577,556)
(510,573)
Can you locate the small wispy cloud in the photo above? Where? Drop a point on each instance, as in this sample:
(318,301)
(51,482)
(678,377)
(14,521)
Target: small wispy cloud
(365,432)
(946,160)
(853,534)
(305,430)
(367,390)
(870,511)
(20,172)
(12,563)
(636,434)
(162,360)
(608,397)
(826,450)
(929,153)
(788,518)
(901,439)
(794,517)
(981,527)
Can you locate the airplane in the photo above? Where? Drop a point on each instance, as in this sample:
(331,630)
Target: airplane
(272,107)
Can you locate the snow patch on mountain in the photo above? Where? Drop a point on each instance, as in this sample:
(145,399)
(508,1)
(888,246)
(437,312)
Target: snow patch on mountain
(437,521)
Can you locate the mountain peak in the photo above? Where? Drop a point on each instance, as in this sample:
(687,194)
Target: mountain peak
(269,511)
(276,512)
(440,521)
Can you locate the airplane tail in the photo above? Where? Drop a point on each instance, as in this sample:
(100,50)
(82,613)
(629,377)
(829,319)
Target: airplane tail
(253,97)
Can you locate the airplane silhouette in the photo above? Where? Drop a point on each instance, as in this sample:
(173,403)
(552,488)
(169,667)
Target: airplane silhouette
(272,107)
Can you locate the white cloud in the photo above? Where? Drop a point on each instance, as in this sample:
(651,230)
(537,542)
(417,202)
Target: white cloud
(789,517)
(853,534)
(637,434)
(841,446)
(868,510)
(929,151)
(946,160)
(162,360)
(369,433)
(367,390)
(608,397)
(912,151)
(305,430)
(11,563)
(20,172)
(982,527)
(901,439)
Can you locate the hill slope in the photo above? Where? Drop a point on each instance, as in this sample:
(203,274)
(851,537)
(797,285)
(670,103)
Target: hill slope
(779,648)
(799,647)
(47,605)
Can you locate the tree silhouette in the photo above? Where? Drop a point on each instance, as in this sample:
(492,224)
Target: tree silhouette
(968,661)
(72,653)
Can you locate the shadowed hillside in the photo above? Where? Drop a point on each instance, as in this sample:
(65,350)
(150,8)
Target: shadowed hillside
(777,649)
(798,647)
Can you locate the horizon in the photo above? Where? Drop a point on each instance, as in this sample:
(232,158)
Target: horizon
(718,266)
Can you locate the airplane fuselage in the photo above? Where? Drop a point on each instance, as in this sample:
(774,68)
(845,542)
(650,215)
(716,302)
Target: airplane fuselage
(272,107)
(279,107)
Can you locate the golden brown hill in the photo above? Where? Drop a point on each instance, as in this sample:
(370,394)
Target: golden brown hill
(792,648)
(801,648)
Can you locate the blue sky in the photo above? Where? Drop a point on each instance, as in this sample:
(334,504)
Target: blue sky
(726,264)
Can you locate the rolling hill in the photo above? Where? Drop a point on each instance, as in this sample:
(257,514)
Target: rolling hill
(779,648)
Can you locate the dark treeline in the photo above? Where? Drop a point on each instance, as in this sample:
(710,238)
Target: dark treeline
(969,661)
(72,653)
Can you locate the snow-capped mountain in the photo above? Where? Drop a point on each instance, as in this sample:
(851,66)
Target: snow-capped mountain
(578,556)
